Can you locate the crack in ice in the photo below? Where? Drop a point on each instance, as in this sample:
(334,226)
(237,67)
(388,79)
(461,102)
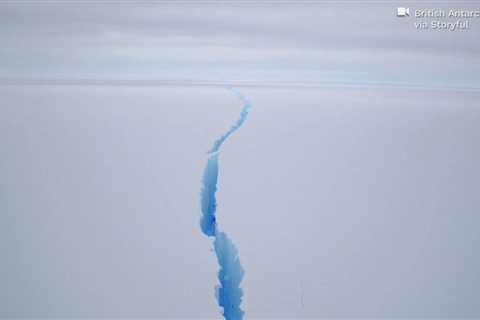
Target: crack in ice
(228,292)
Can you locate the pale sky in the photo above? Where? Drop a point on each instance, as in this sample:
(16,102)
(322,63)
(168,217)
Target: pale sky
(264,41)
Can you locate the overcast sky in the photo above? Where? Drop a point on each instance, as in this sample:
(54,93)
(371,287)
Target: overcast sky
(303,41)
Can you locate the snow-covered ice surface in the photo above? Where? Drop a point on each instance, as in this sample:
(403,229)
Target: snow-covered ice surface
(353,202)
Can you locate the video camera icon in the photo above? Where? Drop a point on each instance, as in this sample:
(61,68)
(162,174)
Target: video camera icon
(403,12)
